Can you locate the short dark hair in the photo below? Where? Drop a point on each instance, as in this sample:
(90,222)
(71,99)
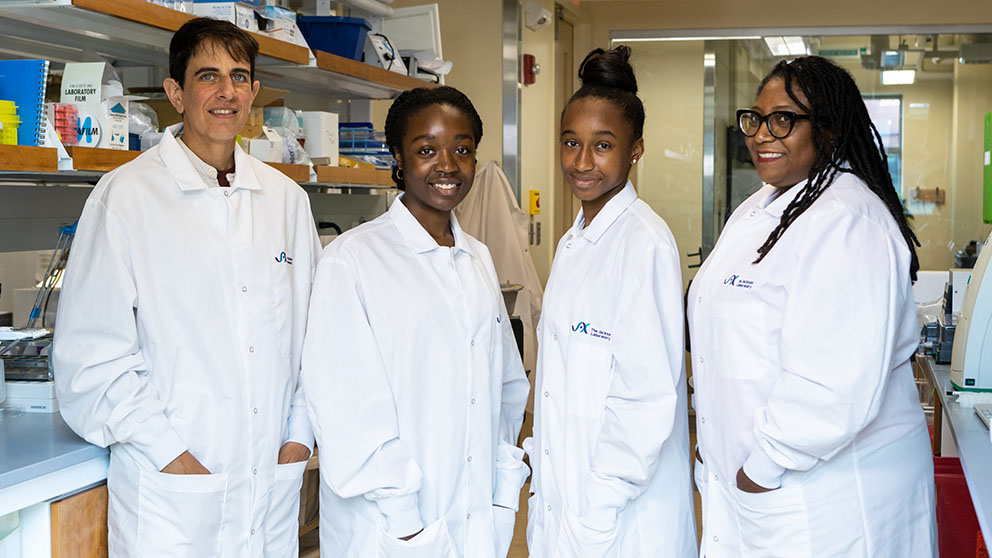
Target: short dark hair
(608,75)
(846,141)
(410,102)
(202,30)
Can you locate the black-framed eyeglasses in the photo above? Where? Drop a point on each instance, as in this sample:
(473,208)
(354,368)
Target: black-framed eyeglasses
(779,123)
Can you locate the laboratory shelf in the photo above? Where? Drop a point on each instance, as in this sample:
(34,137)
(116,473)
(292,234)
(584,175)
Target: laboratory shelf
(126,31)
(27,158)
(298,173)
(972,439)
(137,33)
(348,175)
(99,159)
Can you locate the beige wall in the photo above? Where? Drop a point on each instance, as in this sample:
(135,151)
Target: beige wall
(471,39)
(972,101)
(538,139)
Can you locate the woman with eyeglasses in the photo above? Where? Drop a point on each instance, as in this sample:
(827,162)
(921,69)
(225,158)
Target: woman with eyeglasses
(811,439)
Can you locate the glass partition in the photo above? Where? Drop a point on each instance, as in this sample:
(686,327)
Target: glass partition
(927,94)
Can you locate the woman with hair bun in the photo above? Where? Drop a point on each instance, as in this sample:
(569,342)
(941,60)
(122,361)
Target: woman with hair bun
(414,384)
(610,451)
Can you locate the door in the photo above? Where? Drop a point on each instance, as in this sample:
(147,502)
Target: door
(566,204)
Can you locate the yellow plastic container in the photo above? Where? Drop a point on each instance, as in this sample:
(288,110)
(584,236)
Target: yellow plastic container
(8,133)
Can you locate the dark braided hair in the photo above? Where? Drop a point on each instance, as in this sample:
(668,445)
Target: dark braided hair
(842,132)
(412,101)
(607,74)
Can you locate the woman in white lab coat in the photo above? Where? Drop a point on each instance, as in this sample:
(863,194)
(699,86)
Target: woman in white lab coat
(413,379)
(611,443)
(811,437)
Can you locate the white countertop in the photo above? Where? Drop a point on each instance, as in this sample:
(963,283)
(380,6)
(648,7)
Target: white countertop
(972,439)
(36,444)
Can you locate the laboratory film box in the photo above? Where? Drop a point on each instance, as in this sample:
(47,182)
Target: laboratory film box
(321,131)
(238,13)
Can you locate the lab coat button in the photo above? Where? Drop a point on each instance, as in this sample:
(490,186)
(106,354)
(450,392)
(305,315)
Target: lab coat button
(473,401)
(254,471)
(702,420)
(546,452)
(255,410)
(470,459)
(716,477)
(473,342)
(468,516)
(252,531)
(549,508)
(568,245)
(716,538)
(701,360)
(555,337)
(244,289)
(227,194)
(251,349)
(699,299)
(545,394)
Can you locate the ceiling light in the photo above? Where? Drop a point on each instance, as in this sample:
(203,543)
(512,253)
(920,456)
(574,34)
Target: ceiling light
(898,77)
(787,46)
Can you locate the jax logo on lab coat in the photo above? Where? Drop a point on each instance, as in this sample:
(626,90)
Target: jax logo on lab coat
(283,258)
(585,328)
(738,281)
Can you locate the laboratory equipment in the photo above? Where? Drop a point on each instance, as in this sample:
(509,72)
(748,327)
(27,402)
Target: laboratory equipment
(971,356)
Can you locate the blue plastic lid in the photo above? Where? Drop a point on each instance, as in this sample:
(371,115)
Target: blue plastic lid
(334,19)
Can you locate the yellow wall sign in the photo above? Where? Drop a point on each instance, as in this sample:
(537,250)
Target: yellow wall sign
(535,202)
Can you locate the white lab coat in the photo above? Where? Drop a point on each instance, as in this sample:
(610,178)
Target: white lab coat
(416,394)
(802,376)
(611,442)
(181,328)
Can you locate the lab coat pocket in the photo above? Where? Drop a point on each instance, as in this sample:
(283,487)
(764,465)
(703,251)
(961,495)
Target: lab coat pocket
(773,524)
(433,542)
(180,515)
(282,525)
(575,538)
(741,339)
(504,519)
(588,371)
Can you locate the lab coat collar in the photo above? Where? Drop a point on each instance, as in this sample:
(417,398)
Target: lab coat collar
(610,212)
(419,239)
(774,201)
(185,174)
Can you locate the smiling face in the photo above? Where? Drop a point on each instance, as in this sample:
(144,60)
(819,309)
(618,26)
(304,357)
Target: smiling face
(437,158)
(597,151)
(783,163)
(214,99)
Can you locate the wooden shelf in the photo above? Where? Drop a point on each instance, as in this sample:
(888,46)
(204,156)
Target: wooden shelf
(348,175)
(147,13)
(99,159)
(299,173)
(30,159)
(367,72)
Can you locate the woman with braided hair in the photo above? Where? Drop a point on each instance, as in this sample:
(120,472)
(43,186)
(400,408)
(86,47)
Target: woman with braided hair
(811,439)
(414,384)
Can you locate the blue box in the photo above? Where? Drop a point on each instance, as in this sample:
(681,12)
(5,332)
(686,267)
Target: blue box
(343,36)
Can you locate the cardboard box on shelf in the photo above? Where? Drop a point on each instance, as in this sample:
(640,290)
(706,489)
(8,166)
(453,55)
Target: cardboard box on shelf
(238,13)
(321,131)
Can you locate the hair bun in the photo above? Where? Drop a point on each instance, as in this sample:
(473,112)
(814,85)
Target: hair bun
(609,68)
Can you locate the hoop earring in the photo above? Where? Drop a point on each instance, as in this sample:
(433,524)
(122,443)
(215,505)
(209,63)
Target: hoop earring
(399,173)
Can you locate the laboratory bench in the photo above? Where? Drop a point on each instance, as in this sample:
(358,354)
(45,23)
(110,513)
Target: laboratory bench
(43,467)
(957,429)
